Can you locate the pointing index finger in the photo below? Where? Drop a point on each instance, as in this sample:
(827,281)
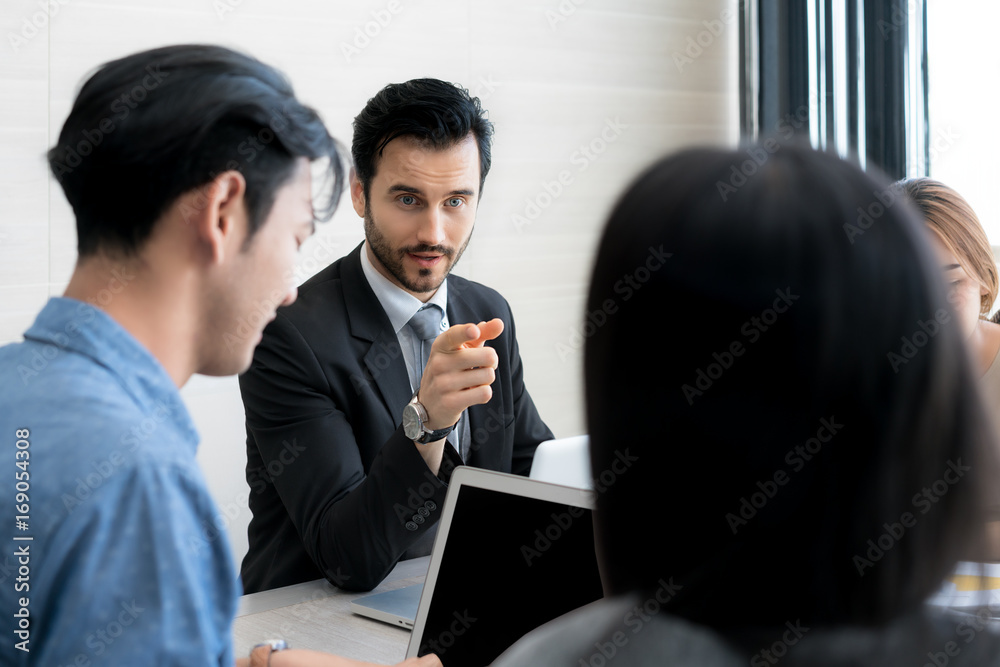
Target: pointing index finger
(456,337)
(487,331)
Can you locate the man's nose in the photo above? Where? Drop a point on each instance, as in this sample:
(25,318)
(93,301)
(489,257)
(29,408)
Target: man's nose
(431,231)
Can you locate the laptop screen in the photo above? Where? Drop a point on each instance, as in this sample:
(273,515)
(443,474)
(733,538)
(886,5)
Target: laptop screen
(510,563)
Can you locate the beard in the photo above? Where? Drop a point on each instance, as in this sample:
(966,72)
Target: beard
(392,258)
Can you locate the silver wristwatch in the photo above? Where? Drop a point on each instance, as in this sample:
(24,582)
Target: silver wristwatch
(414,424)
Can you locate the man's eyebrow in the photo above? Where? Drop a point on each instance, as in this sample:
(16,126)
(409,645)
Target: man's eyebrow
(399,187)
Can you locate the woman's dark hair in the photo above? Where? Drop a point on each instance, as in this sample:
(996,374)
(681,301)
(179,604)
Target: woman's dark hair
(809,438)
(432,111)
(149,127)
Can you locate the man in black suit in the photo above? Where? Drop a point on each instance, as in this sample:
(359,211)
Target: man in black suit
(339,488)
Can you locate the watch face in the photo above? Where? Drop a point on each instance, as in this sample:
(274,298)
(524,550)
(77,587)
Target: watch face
(412,427)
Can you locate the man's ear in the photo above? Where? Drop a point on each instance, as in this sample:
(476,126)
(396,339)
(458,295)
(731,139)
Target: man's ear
(218,215)
(357,194)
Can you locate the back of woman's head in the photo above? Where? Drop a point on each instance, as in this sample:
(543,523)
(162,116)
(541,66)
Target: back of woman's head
(954,222)
(789,387)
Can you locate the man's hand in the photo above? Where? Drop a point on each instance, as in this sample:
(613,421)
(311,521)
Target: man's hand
(459,372)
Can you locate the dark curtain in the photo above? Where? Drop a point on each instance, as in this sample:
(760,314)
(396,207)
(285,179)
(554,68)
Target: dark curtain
(881,112)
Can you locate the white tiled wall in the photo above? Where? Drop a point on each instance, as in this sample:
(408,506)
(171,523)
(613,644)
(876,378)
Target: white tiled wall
(555,75)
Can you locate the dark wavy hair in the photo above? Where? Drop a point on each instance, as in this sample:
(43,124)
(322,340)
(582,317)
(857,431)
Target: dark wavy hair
(432,111)
(809,435)
(154,125)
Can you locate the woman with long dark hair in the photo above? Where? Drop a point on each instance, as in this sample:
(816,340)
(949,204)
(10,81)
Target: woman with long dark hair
(812,446)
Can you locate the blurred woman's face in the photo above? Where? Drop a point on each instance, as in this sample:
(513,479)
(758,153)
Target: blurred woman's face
(964,291)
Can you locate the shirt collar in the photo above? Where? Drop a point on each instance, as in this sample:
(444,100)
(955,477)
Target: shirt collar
(397,303)
(76,326)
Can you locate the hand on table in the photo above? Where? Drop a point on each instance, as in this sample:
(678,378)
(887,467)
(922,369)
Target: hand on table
(305,658)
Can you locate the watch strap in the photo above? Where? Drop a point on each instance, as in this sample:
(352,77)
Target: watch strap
(434,436)
(260,654)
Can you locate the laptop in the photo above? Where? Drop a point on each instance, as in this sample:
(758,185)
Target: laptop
(398,607)
(564,461)
(510,554)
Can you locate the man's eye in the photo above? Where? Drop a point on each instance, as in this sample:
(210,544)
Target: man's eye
(407,200)
(455,202)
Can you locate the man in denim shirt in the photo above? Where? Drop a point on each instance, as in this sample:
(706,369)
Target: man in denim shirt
(188,169)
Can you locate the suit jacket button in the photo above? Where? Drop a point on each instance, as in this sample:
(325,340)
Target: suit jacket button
(410,525)
(423,511)
(431,505)
(418,518)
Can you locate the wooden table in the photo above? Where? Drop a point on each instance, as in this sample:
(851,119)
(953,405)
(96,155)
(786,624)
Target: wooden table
(316,615)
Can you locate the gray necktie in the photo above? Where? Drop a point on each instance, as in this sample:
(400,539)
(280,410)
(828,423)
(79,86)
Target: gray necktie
(426,324)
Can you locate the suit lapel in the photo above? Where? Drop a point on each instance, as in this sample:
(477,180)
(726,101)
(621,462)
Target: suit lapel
(368,321)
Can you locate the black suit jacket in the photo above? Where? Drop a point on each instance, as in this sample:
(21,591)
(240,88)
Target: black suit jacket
(336,489)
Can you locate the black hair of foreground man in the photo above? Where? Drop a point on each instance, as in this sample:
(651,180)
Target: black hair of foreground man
(153,125)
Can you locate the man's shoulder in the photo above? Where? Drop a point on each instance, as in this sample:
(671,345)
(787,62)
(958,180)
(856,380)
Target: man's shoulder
(476,295)
(333,272)
(323,294)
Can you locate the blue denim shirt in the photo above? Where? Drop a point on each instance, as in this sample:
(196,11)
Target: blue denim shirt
(124,565)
